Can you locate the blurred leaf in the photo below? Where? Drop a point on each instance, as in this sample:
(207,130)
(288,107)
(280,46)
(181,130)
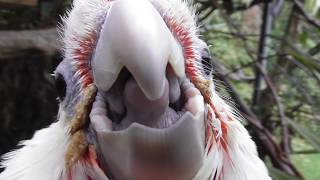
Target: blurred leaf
(312,6)
(303,37)
(307,134)
(280,175)
(305,59)
(305,40)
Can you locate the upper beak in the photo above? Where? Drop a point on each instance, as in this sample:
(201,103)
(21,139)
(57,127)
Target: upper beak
(135,36)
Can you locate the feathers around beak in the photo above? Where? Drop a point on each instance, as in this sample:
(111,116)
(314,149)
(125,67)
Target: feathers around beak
(230,152)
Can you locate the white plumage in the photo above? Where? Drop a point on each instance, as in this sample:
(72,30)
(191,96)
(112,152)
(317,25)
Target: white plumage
(42,157)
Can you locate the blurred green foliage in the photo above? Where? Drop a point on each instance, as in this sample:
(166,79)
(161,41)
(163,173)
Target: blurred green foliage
(293,61)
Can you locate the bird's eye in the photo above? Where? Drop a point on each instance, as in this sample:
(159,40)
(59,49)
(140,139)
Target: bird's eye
(206,60)
(61,86)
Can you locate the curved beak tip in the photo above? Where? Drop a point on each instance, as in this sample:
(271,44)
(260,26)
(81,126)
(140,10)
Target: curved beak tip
(135,36)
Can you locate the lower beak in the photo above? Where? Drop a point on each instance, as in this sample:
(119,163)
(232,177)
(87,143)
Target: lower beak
(141,152)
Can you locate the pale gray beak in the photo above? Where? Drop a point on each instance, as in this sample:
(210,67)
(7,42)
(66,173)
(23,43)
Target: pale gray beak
(160,131)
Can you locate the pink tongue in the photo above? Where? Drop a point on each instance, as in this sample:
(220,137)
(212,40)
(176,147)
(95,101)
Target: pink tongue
(140,109)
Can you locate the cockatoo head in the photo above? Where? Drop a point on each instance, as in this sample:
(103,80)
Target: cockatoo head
(137,102)
(128,82)
(137,93)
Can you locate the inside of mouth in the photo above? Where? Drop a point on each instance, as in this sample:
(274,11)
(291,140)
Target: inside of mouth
(126,103)
(163,137)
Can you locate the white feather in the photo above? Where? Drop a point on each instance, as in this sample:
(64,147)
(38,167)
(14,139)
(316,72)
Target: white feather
(40,158)
(241,162)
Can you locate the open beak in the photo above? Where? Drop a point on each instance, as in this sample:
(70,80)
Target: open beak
(148,117)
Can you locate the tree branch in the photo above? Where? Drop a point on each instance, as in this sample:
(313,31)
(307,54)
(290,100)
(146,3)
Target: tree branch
(285,130)
(307,16)
(20,2)
(278,158)
(266,27)
(237,74)
(11,42)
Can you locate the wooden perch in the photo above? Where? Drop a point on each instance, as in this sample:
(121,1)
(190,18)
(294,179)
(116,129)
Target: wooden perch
(11,42)
(20,2)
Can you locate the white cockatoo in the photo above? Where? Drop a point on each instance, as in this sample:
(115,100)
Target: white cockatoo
(137,102)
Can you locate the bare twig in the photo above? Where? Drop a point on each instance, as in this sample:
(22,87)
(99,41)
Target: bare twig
(278,158)
(266,27)
(285,130)
(228,74)
(236,75)
(307,16)
(264,137)
(206,14)
(303,67)
(312,151)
